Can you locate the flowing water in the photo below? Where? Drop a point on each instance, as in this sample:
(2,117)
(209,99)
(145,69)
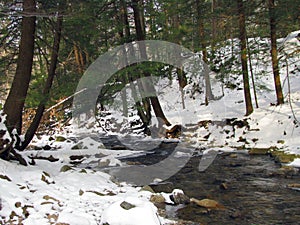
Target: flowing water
(252,188)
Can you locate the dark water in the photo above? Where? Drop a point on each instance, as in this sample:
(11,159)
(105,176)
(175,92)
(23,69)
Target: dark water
(253,189)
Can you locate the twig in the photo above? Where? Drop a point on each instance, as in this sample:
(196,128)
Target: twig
(66,99)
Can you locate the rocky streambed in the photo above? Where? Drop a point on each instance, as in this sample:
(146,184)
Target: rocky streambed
(253,189)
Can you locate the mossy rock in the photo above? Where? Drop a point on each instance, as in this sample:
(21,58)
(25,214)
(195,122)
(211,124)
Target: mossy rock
(65,168)
(259,151)
(283,157)
(60,139)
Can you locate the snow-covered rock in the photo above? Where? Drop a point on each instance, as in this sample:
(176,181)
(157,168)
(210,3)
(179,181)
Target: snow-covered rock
(141,213)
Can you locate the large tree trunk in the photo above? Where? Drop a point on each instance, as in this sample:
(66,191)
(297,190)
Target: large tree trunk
(15,101)
(279,94)
(46,91)
(141,35)
(142,109)
(243,46)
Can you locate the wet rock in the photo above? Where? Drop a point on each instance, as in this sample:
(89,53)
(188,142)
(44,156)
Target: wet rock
(294,186)
(147,188)
(178,197)
(259,151)
(282,157)
(207,203)
(157,199)
(166,187)
(118,147)
(234,214)
(223,186)
(234,156)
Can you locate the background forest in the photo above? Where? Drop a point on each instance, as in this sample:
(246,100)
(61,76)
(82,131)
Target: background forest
(46,46)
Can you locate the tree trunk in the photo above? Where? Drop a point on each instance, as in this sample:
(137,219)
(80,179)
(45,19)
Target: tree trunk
(141,35)
(46,91)
(214,26)
(243,46)
(279,94)
(181,76)
(142,109)
(202,43)
(15,101)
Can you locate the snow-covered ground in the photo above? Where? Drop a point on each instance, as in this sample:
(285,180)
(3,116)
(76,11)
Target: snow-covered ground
(57,193)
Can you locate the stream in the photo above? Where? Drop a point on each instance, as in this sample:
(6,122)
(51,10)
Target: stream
(253,188)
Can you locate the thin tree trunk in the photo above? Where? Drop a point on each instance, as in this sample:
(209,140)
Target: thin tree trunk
(182,79)
(141,35)
(202,43)
(214,26)
(15,101)
(279,94)
(46,91)
(243,46)
(252,75)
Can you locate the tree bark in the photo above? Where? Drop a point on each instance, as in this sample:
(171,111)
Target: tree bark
(243,47)
(142,109)
(141,35)
(15,101)
(202,43)
(46,91)
(276,74)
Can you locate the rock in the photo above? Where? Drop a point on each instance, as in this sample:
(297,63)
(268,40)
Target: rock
(282,157)
(126,205)
(18,204)
(174,132)
(234,214)
(60,139)
(77,146)
(81,192)
(51,138)
(4,177)
(166,187)
(234,156)
(207,203)
(259,151)
(147,188)
(224,186)
(76,157)
(99,155)
(37,147)
(47,147)
(65,168)
(178,197)
(118,147)
(104,163)
(294,186)
(157,199)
